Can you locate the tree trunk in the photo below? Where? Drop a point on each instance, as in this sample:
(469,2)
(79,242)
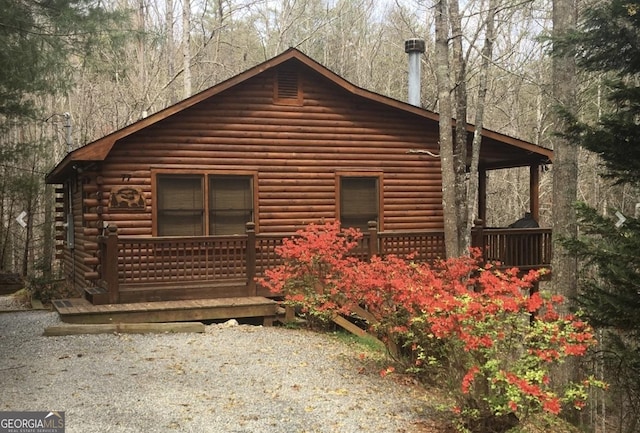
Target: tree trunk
(565,163)
(459,70)
(142,62)
(48,233)
(27,251)
(487,54)
(445,131)
(565,179)
(173,98)
(186,47)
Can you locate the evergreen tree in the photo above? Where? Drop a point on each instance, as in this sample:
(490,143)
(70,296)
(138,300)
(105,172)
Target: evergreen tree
(37,40)
(42,43)
(608,43)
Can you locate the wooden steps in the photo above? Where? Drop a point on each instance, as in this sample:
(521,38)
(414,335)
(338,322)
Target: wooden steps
(176,291)
(96,295)
(183,291)
(80,310)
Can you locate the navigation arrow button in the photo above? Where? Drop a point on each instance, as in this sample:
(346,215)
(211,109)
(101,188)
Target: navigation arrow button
(20,219)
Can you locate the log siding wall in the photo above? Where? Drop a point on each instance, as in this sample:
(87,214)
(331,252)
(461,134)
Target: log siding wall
(296,152)
(78,263)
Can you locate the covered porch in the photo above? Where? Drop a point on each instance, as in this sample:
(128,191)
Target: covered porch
(135,269)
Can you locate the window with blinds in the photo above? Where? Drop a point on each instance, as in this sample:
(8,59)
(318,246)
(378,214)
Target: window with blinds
(230,204)
(358,201)
(200,204)
(180,205)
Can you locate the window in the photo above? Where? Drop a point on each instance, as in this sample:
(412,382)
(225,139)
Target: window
(180,205)
(203,204)
(230,204)
(359,201)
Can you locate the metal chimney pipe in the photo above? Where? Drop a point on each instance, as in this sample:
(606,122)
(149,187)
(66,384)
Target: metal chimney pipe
(67,126)
(414,47)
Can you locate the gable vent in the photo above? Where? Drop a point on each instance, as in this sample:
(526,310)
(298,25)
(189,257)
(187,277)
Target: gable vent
(288,89)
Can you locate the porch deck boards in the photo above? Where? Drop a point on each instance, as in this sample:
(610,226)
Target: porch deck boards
(79,310)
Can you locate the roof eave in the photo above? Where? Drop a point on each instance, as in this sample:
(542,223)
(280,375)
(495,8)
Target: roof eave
(99,149)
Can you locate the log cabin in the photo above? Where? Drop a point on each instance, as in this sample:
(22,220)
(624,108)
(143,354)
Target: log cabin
(190,202)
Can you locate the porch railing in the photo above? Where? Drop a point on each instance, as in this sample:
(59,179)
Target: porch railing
(160,260)
(525,249)
(127,261)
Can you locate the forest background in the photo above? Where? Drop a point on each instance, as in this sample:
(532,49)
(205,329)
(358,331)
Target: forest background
(76,70)
(123,60)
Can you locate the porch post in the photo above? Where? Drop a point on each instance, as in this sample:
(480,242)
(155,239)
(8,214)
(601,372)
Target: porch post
(477,234)
(252,288)
(372,226)
(477,239)
(534,191)
(110,270)
(482,194)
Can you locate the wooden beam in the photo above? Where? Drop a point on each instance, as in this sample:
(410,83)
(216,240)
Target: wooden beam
(344,323)
(534,191)
(356,330)
(124,328)
(251,259)
(110,265)
(482,195)
(81,311)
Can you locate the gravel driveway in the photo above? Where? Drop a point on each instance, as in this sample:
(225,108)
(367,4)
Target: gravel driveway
(228,379)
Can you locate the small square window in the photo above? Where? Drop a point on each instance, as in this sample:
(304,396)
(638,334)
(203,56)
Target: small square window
(358,201)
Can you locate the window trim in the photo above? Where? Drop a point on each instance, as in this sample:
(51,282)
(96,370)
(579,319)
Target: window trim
(367,174)
(155,172)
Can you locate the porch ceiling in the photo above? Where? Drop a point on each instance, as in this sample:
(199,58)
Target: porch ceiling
(496,154)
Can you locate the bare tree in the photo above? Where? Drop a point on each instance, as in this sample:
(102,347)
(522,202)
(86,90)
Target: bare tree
(170,48)
(142,45)
(487,55)
(445,108)
(186,47)
(451,62)
(459,71)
